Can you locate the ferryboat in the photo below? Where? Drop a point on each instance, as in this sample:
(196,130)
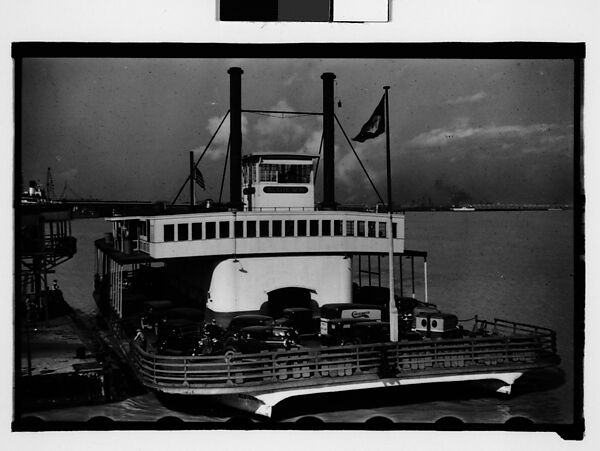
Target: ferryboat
(274,295)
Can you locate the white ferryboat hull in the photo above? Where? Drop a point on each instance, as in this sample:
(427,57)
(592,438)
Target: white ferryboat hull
(263,403)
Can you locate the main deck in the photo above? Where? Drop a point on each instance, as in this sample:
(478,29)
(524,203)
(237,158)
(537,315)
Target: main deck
(259,381)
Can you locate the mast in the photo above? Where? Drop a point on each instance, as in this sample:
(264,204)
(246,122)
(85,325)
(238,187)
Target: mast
(392,302)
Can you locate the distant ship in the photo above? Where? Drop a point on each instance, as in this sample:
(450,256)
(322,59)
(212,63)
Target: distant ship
(464,208)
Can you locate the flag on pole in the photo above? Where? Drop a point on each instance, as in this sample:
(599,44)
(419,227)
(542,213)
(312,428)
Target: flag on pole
(199,178)
(375,126)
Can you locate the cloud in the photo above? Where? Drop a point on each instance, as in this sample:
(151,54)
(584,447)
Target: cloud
(280,125)
(441,137)
(468,99)
(219,145)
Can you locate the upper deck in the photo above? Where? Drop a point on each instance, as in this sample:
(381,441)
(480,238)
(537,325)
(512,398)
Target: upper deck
(258,233)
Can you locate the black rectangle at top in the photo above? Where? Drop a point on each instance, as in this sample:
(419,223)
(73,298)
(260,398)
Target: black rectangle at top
(249,11)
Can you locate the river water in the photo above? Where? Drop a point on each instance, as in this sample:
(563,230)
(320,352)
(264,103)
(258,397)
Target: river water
(510,265)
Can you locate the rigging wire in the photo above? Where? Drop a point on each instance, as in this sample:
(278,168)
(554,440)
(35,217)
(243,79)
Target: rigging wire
(196,165)
(320,149)
(278,115)
(283,112)
(358,158)
(224,168)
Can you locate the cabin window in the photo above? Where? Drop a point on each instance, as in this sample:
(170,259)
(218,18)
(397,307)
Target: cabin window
(349,228)
(314,227)
(196,230)
(239,229)
(394,230)
(382,229)
(277,228)
(223,229)
(337,228)
(302,227)
(182,232)
(169,232)
(371,229)
(148,229)
(251,229)
(285,173)
(289,228)
(264,228)
(211,230)
(143,228)
(326,227)
(360,228)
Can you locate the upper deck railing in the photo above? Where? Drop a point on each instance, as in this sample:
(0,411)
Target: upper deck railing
(272,232)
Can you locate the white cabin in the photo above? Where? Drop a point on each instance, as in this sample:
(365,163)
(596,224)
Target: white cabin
(278,181)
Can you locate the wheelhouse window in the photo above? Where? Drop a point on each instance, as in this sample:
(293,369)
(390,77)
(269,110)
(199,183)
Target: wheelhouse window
(302,227)
(382,229)
(143,228)
(285,173)
(169,232)
(182,232)
(371,229)
(289,228)
(239,229)
(223,229)
(251,229)
(196,230)
(211,230)
(349,228)
(264,228)
(360,229)
(326,227)
(337,228)
(276,228)
(394,230)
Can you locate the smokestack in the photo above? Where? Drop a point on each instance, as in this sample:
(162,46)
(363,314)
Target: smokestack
(235,117)
(328,143)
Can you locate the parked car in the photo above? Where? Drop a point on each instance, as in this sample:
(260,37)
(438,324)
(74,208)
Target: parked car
(434,324)
(212,340)
(253,339)
(341,316)
(178,337)
(301,319)
(241,321)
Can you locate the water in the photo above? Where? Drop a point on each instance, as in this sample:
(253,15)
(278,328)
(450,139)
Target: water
(509,265)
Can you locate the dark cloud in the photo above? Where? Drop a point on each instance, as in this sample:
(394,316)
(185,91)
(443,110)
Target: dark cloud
(123,128)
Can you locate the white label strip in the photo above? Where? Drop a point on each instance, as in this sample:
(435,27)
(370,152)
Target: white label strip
(360,11)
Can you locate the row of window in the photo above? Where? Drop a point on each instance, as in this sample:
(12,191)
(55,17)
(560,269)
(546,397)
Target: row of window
(276,228)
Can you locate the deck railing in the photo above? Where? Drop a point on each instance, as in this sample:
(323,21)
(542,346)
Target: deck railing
(530,344)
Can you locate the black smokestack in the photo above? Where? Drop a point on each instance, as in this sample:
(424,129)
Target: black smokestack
(235,117)
(328,142)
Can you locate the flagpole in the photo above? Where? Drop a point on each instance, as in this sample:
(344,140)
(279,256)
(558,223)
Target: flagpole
(192,180)
(392,301)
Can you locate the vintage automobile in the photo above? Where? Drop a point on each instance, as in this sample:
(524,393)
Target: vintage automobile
(435,325)
(239,322)
(178,336)
(301,319)
(211,342)
(253,339)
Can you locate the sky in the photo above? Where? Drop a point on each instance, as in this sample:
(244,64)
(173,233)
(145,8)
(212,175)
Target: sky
(477,131)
